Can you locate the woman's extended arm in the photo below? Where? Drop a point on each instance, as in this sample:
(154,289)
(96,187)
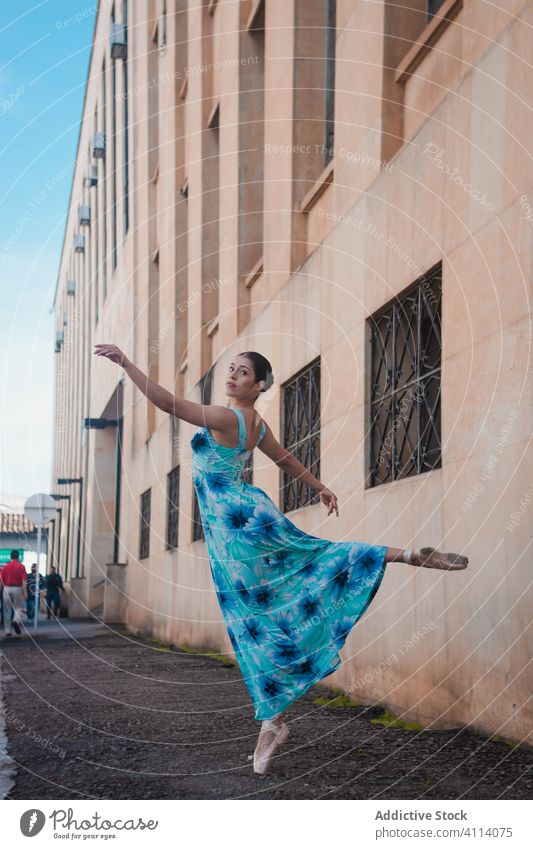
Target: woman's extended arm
(155,393)
(203,415)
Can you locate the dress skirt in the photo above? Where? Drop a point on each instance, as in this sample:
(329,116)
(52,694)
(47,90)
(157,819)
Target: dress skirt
(289,599)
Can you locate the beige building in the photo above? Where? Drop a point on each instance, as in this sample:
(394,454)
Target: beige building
(345,187)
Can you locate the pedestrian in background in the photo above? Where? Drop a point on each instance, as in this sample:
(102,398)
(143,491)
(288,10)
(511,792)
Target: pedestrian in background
(1,599)
(14,580)
(54,583)
(32,592)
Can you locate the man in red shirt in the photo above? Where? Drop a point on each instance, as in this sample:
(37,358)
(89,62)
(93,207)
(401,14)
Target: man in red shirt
(14,579)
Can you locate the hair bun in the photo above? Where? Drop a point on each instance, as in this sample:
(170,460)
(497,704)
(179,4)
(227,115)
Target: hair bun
(269,380)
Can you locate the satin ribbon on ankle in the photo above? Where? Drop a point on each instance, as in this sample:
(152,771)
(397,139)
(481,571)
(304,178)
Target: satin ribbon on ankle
(270,725)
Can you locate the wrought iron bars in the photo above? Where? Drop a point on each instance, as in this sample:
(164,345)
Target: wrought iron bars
(405,380)
(173,498)
(301,434)
(144,536)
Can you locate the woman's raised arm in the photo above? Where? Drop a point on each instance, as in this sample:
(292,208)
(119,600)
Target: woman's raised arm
(203,415)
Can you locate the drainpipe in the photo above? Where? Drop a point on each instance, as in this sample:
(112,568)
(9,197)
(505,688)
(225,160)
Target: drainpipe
(118,476)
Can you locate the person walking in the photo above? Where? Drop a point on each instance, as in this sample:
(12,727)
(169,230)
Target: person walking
(289,599)
(1,599)
(14,580)
(32,592)
(54,583)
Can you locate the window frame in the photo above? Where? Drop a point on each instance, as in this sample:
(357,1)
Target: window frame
(288,483)
(428,421)
(144,525)
(329,81)
(173,496)
(125,119)
(197,527)
(432,7)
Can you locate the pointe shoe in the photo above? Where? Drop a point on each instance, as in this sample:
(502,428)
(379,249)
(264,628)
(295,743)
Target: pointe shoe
(270,737)
(433,559)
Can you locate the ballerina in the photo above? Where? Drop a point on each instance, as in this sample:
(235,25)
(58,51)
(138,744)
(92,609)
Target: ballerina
(288,599)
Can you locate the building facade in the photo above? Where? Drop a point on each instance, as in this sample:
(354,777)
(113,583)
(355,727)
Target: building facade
(344,187)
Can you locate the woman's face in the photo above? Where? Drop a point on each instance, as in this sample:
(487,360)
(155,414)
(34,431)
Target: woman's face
(240,380)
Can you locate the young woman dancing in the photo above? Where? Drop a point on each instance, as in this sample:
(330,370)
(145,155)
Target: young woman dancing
(289,599)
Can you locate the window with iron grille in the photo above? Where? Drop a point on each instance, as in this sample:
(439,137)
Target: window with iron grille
(301,434)
(405,380)
(197,527)
(248,469)
(173,498)
(432,7)
(144,537)
(206,385)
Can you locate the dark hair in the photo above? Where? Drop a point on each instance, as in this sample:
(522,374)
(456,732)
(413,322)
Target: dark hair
(261,366)
(14,554)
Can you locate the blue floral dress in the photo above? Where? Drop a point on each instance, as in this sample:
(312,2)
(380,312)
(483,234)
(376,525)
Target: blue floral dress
(288,599)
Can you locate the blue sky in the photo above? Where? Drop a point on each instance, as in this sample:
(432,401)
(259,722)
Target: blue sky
(44,49)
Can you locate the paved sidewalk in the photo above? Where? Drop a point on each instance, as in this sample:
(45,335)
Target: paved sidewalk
(56,629)
(112,716)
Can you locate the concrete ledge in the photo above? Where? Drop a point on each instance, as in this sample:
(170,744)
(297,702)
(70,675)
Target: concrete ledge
(318,188)
(427,38)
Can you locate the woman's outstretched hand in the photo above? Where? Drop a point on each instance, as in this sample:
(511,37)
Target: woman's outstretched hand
(112,353)
(330,500)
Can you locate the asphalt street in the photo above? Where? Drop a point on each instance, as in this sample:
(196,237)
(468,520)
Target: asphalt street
(91,712)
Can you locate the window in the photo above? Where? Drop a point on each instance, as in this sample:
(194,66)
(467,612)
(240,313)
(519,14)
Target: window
(301,434)
(405,379)
(126,187)
(173,498)
(181,212)
(329,88)
(206,387)
(432,7)
(163,44)
(104,184)
(96,239)
(313,120)
(154,337)
(211,222)
(197,527)
(144,536)
(248,469)
(114,141)
(153,83)
(251,144)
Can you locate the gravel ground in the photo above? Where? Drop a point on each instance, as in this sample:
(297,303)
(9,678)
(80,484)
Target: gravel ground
(118,717)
